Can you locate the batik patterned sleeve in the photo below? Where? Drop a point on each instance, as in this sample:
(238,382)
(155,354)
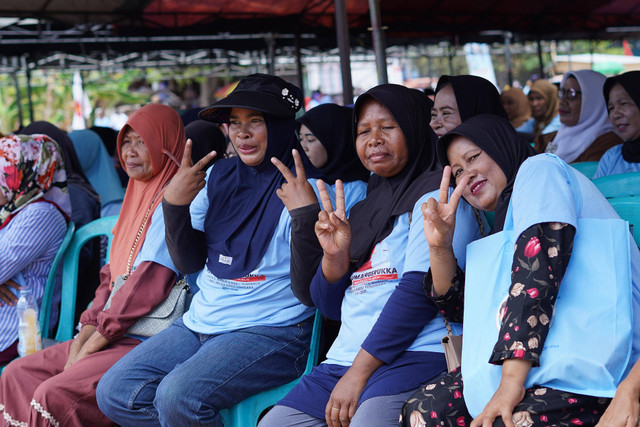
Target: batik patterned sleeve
(451,303)
(540,261)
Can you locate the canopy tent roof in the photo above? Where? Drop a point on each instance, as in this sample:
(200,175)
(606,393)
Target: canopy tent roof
(80,26)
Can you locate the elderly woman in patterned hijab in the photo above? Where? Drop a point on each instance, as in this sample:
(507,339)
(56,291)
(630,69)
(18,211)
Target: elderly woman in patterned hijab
(34,209)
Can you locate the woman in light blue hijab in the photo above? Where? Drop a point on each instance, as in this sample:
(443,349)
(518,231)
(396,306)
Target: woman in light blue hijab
(98,167)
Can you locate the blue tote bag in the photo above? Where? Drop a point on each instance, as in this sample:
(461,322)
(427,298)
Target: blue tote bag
(588,348)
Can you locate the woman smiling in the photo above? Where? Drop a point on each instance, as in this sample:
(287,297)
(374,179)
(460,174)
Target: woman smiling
(520,296)
(622,96)
(370,276)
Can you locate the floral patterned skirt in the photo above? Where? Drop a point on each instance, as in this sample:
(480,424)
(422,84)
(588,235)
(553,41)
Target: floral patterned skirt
(441,404)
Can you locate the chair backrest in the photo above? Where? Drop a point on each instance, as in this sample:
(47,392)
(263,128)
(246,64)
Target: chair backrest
(586,168)
(47,296)
(629,209)
(99,227)
(620,185)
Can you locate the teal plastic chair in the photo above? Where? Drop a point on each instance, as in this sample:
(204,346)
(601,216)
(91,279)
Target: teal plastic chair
(247,412)
(588,169)
(47,296)
(620,185)
(629,209)
(70,262)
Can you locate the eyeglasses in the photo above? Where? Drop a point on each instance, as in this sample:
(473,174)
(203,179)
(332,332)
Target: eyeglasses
(568,94)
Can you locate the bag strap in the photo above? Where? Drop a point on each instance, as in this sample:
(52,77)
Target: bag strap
(446,323)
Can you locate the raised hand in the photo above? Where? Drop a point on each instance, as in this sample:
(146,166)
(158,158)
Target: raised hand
(296,192)
(189,179)
(333,228)
(439,217)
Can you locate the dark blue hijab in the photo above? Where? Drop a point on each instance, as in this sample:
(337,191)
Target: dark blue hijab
(244,209)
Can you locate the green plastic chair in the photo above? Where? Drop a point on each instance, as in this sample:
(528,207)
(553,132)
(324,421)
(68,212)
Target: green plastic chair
(71,260)
(247,412)
(620,185)
(586,168)
(47,296)
(629,209)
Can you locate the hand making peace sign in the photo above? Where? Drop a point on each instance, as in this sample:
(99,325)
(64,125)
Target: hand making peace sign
(439,217)
(189,179)
(296,192)
(333,228)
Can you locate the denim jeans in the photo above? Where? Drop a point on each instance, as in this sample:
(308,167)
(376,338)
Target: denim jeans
(182,378)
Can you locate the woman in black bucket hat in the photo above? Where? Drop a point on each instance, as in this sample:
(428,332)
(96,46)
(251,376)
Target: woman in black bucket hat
(245,330)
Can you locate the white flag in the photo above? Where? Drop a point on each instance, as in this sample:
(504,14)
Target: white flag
(81,105)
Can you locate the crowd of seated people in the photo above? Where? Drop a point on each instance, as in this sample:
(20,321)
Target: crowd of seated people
(400,221)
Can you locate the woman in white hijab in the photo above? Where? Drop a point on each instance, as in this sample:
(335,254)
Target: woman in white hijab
(586,132)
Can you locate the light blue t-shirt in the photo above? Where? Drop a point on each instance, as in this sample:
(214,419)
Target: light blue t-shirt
(553,125)
(154,247)
(527,127)
(402,251)
(261,298)
(612,163)
(542,182)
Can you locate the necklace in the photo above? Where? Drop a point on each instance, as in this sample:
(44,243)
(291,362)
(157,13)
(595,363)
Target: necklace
(142,226)
(135,242)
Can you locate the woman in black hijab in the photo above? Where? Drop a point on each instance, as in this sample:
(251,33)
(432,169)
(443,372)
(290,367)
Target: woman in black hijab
(495,170)
(206,137)
(622,96)
(326,136)
(370,276)
(461,97)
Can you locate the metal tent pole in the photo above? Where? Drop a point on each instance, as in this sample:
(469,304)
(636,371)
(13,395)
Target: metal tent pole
(379,43)
(342,33)
(25,64)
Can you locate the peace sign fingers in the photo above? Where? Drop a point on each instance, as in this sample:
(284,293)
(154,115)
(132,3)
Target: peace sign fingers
(443,195)
(300,173)
(200,164)
(457,193)
(296,192)
(189,179)
(340,203)
(284,170)
(325,200)
(186,155)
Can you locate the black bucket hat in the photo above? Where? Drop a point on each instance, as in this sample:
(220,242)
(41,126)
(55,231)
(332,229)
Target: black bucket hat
(260,92)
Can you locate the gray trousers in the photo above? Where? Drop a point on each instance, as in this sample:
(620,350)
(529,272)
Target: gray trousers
(380,411)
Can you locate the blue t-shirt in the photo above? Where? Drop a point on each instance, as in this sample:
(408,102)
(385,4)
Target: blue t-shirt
(542,182)
(262,297)
(404,250)
(612,163)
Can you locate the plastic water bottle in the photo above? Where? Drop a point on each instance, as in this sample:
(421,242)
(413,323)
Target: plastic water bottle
(29,338)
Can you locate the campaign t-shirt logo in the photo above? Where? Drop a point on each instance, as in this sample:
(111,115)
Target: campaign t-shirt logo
(377,269)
